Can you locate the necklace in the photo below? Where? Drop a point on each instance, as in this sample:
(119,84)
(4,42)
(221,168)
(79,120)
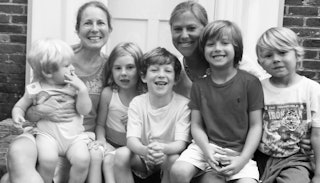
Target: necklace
(194,76)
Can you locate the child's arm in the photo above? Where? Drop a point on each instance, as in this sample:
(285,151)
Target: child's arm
(102,115)
(315,141)
(19,109)
(201,138)
(175,147)
(250,146)
(83,102)
(135,145)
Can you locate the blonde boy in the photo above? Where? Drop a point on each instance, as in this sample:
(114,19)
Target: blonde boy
(292,105)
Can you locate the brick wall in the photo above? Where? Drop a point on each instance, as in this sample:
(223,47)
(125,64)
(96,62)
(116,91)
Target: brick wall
(13,28)
(303,17)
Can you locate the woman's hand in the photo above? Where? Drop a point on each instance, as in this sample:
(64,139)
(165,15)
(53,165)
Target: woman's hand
(55,109)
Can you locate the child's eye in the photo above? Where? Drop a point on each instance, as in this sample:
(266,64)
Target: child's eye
(282,52)
(130,67)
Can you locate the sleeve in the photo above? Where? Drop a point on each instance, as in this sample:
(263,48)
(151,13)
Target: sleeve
(182,131)
(255,95)
(134,127)
(315,104)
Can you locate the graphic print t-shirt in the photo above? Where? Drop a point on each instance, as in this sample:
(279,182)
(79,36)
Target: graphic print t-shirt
(286,116)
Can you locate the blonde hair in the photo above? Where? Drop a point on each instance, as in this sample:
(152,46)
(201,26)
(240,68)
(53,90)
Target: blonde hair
(280,39)
(45,55)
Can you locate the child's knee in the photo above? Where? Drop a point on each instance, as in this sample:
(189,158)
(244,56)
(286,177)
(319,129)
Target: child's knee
(122,157)
(96,155)
(178,173)
(80,160)
(108,160)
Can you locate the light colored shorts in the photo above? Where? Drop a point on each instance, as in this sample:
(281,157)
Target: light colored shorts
(194,155)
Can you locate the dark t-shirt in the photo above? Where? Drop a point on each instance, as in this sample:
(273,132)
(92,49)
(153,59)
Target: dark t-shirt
(225,107)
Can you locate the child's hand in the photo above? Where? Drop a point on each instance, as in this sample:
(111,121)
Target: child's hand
(155,153)
(124,121)
(18,121)
(210,156)
(75,81)
(235,165)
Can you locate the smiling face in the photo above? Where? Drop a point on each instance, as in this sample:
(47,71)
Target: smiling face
(93,28)
(185,31)
(160,79)
(219,52)
(124,72)
(279,64)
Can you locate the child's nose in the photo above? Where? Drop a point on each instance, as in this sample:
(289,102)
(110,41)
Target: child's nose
(123,71)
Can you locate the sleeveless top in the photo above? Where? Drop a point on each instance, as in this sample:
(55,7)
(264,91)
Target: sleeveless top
(115,129)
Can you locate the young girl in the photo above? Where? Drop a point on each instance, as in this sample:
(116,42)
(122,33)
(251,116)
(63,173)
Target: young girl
(51,63)
(123,83)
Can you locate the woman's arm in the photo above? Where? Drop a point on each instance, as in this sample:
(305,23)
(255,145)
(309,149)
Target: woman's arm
(49,110)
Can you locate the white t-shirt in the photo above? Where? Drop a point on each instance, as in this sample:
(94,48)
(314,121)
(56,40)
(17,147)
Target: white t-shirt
(166,124)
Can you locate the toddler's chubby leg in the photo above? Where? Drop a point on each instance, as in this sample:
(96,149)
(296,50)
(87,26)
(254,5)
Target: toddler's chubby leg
(95,175)
(79,157)
(48,157)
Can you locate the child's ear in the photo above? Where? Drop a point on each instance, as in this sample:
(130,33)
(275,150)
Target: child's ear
(46,75)
(143,79)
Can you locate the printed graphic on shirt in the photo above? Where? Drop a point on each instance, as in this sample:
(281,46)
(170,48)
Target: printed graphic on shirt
(283,128)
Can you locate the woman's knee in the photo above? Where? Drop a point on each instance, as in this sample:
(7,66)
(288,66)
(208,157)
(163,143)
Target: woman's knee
(22,151)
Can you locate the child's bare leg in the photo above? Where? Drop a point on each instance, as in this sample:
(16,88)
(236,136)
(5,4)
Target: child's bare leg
(182,172)
(22,157)
(166,167)
(122,166)
(124,162)
(79,157)
(211,177)
(245,180)
(95,175)
(108,166)
(48,157)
